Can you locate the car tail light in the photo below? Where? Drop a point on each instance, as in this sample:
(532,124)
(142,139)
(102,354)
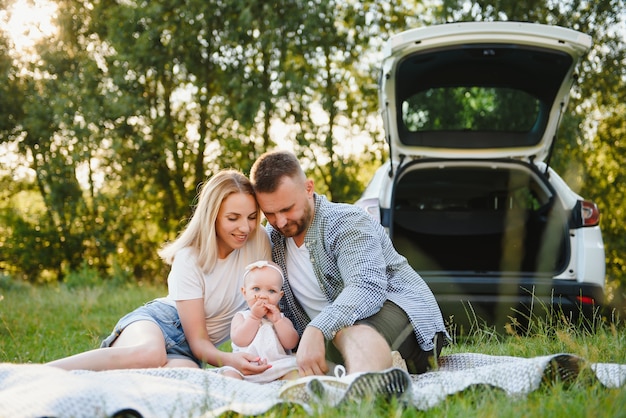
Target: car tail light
(586,300)
(589,213)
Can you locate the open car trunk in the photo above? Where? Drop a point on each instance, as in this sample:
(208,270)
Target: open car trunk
(479,218)
(471,111)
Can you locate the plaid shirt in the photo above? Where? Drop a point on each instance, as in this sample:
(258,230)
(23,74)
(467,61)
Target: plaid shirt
(357,269)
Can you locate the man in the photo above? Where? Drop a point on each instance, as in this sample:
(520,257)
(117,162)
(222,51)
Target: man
(351,296)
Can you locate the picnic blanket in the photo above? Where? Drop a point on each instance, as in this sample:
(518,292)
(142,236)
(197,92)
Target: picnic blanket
(30,390)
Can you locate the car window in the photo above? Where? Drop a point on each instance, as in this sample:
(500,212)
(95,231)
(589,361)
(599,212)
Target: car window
(481,96)
(470,109)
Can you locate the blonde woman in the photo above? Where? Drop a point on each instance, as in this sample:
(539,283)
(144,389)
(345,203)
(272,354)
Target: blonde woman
(208,261)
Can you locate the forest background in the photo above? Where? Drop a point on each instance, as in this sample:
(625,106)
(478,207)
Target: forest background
(110,122)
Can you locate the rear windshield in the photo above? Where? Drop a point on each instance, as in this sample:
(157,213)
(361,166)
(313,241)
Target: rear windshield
(470,108)
(478,96)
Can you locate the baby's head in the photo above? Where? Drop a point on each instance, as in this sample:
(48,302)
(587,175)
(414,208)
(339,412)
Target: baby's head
(263,280)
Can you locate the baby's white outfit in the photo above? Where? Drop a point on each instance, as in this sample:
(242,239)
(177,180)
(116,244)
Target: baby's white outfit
(267,346)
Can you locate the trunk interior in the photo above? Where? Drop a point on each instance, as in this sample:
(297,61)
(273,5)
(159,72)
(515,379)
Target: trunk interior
(479,218)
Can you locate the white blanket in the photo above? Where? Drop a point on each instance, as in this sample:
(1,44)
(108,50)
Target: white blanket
(28,390)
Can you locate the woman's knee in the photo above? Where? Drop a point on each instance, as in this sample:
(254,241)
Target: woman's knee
(148,356)
(141,346)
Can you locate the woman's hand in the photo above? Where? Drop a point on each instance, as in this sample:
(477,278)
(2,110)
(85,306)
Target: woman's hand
(248,364)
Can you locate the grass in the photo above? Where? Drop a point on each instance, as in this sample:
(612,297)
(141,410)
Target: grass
(38,324)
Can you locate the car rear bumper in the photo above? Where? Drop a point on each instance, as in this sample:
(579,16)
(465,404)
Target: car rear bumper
(466,302)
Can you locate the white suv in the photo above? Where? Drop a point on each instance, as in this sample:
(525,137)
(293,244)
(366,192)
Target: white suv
(471,112)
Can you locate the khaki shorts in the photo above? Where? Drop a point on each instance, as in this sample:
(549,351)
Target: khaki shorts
(394,325)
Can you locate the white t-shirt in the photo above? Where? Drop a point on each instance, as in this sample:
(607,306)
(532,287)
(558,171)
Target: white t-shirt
(220,289)
(302,279)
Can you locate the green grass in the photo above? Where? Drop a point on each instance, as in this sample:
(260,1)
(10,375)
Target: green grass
(38,324)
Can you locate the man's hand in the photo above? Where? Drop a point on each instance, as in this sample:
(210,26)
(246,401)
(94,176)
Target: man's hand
(311,354)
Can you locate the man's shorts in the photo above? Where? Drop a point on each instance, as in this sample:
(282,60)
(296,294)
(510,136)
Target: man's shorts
(394,325)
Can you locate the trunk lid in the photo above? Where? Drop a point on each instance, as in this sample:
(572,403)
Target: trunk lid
(477,90)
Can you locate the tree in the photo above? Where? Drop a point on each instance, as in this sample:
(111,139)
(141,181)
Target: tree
(133,104)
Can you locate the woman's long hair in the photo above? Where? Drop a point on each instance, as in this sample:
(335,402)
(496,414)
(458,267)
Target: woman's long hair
(199,234)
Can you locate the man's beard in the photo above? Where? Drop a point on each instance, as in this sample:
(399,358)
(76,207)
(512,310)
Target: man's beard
(297,227)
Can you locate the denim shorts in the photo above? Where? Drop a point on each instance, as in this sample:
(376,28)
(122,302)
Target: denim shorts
(166,317)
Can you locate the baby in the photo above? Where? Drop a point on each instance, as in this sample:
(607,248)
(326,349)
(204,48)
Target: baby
(262,330)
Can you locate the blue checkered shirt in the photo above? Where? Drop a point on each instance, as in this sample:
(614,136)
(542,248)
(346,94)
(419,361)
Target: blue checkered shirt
(357,269)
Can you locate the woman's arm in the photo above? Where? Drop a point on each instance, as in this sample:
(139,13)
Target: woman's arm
(191,313)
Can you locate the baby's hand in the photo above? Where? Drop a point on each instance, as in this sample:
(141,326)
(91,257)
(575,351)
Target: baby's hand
(258,309)
(273,313)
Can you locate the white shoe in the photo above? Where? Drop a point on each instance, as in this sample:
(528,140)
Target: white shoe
(388,384)
(325,389)
(393,383)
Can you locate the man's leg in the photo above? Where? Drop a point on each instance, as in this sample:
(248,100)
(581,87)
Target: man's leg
(368,361)
(394,326)
(367,358)
(363,349)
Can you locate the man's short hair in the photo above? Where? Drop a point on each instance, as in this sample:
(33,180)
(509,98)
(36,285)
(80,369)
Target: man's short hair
(269,169)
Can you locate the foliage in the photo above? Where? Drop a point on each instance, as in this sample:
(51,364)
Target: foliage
(85,277)
(131,105)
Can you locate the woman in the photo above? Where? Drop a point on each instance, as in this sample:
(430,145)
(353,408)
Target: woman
(208,261)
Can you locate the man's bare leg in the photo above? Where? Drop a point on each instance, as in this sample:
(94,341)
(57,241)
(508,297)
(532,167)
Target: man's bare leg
(363,349)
